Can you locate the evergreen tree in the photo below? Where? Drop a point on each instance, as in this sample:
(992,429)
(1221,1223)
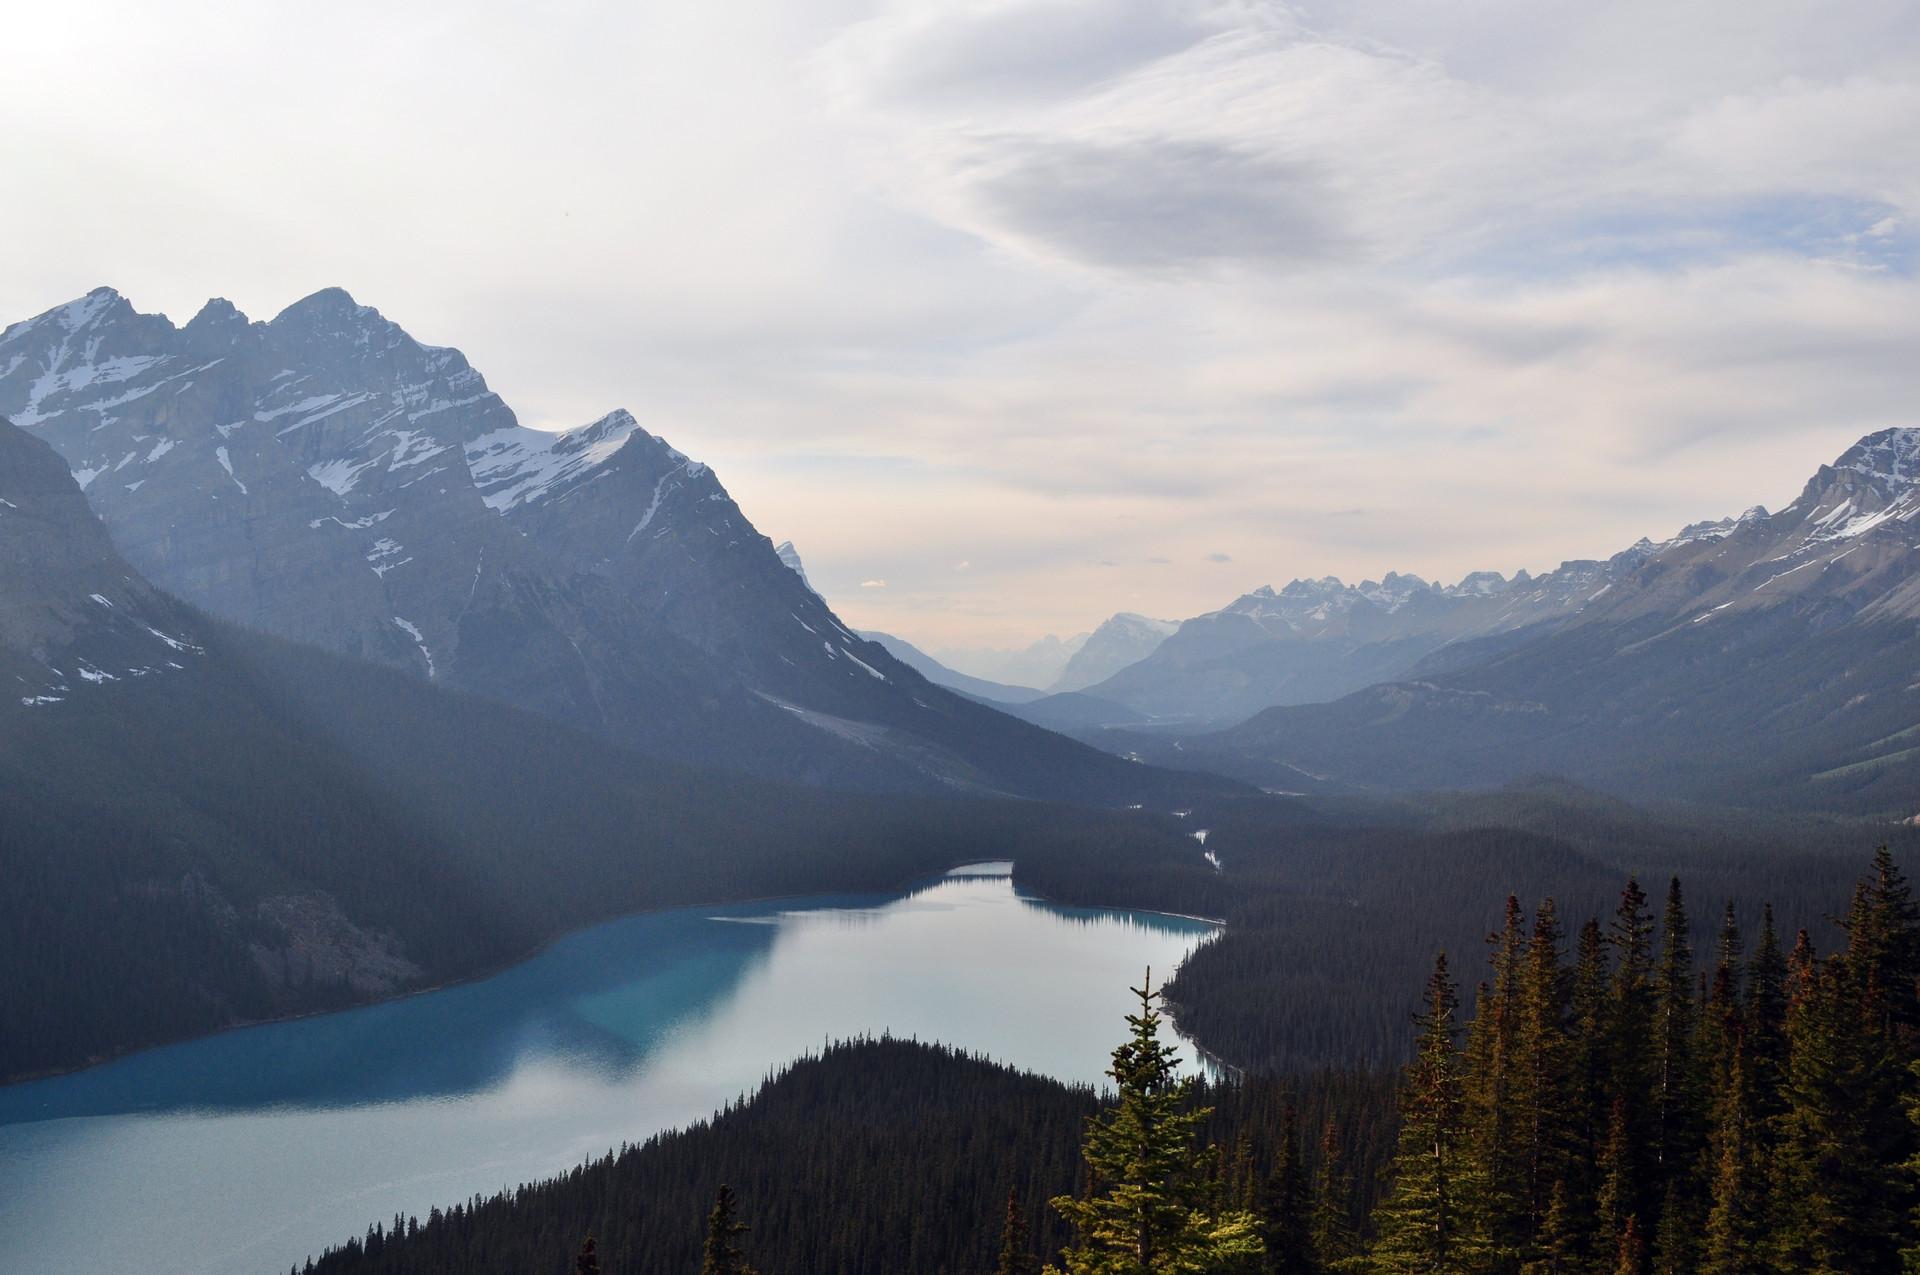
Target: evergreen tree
(1542,1086)
(1335,1241)
(1557,1247)
(722,1254)
(1765,1021)
(1491,1083)
(1149,1213)
(1631,1063)
(1630,1255)
(1286,1213)
(1015,1257)
(1736,1226)
(1433,1222)
(1678,1129)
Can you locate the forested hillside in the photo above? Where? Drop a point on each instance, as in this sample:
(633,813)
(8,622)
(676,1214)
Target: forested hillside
(1620,1101)
(1335,906)
(274,830)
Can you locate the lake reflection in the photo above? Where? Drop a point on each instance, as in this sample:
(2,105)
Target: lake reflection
(246,1151)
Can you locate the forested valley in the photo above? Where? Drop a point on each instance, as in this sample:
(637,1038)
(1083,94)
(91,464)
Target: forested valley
(1617,1100)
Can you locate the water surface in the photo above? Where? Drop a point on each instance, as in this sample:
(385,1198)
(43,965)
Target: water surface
(247,1151)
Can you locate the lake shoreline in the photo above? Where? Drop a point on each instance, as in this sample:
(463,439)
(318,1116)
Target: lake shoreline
(538,949)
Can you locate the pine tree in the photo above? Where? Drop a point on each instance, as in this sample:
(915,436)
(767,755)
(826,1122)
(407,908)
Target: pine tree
(1542,1087)
(1837,1188)
(1490,1085)
(1736,1226)
(1150,1212)
(1765,1019)
(1335,1241)
(1434,1219)
(1286,1214)
(1678,1129)
(1557,1245)
(1015,1259)
(1633,1053)
(1590,1078)
(722,1255)
(1631,1253)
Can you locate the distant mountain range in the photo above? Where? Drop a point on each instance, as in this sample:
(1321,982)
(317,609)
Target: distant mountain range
(1764,659)
(326,477)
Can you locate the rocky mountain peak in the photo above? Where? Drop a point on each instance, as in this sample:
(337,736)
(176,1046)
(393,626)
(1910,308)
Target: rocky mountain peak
(1889,459)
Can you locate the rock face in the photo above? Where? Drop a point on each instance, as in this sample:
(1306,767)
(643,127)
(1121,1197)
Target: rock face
(1124,640)
(73,614)
(1763,659)
(326,477)
(1316,640)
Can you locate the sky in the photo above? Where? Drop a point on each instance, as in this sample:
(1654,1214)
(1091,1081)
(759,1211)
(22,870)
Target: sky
(1015,314)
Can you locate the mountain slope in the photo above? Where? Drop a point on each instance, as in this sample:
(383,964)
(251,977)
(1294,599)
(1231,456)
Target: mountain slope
(1769,662)
(1316,640)
(999,693)
(201,825)
(1121,640)
(326,477)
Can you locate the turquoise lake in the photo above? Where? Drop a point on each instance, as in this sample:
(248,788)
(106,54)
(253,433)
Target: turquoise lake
(250,1150)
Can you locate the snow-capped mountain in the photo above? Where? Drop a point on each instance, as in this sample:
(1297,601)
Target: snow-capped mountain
(1316,640)
(1121,640)
(327,477)
(73,614)
(1768,657)
(791,557)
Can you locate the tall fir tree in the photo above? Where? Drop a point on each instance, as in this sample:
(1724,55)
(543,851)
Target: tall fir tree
(1542,1085)
(1286,1205)
(1150,1212)
(1632,1064)
(1336,1241)
(722,1254)
(1434,1220)
(1016,1257)
(1679,1127)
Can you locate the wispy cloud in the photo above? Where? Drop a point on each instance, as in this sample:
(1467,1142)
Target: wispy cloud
(1041,284)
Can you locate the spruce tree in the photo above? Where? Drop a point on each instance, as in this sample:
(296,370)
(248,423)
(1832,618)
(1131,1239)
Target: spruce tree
(1633,1052)
(1434,1220)
(1678,1120)
(1286,1212)
(1149,1212)
(1335,1241)
(1015,1257)
(1542,1086)
(722,1254)
(1736,1224)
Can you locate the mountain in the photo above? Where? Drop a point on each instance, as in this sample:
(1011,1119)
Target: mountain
(1037,665)
(996,693)
(72,612)
(1766,660)
(326,477)
(1316,640)
(202,825)
(1124,639)
(791,557)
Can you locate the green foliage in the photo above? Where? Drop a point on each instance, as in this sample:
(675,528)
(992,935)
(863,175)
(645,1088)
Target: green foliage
(722,1254)
(1435,1218)
(1148,1211)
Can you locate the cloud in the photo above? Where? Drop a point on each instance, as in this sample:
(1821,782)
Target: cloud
(1039,284)
(873,584)
(1219,557)
(1154,203)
